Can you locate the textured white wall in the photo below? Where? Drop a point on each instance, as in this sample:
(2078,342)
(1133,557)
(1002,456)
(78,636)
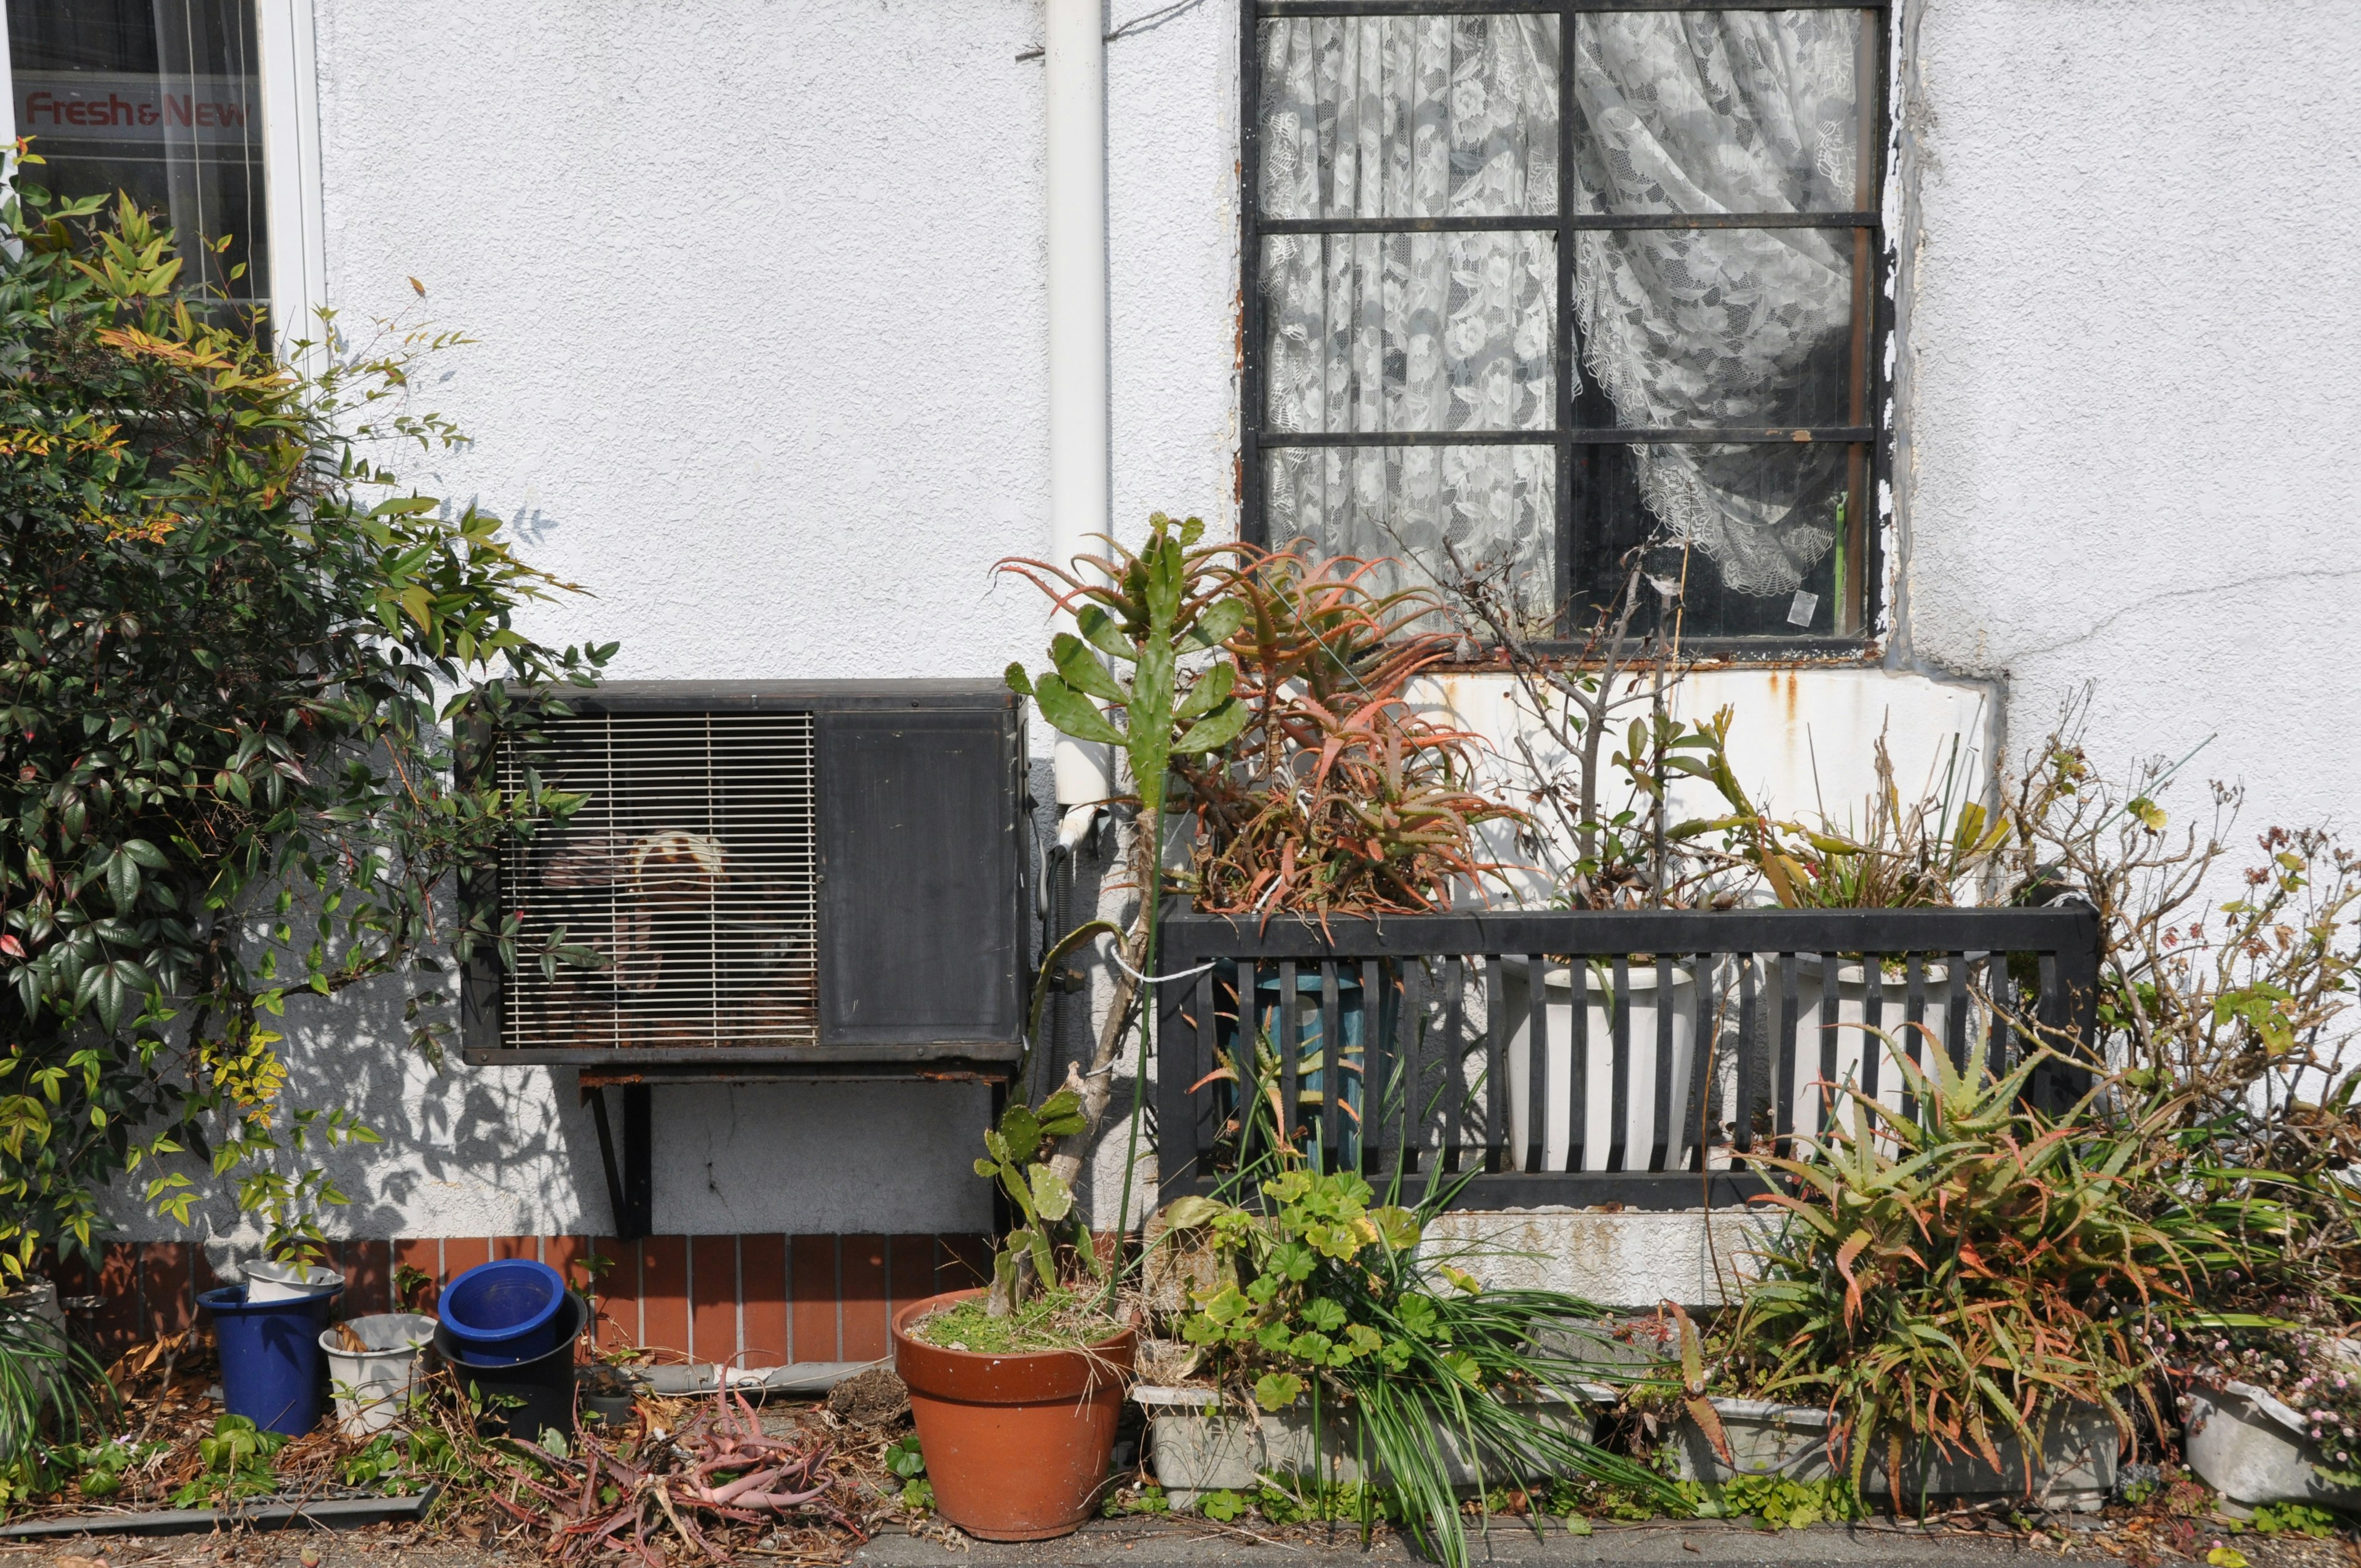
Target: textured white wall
(759,295)
(2134,342)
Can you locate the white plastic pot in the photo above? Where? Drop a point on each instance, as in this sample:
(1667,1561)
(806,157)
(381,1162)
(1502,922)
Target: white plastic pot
(371,1384)
(36,1304)
(1850,1020)
(2253,1449)
(1599,1132)
(268,1281)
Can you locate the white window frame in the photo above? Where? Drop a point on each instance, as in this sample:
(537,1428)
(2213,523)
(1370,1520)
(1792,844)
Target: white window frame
(291,169)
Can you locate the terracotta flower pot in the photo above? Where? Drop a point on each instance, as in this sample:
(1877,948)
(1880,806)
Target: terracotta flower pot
(1016,1445)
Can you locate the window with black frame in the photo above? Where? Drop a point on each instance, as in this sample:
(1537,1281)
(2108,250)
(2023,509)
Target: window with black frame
(1556,283)
(159,100)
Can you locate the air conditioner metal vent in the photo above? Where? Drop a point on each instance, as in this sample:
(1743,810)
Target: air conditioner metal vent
(692,872)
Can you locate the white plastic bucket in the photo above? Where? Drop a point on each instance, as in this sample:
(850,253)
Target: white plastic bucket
(371,1384)
(268,1281)
(1639,1133)
(1849,1023)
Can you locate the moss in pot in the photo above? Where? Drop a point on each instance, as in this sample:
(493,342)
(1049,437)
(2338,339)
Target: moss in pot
(1016,1394)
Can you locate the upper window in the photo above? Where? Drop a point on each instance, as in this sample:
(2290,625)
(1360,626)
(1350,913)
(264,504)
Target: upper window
(159,99)
(1555,286)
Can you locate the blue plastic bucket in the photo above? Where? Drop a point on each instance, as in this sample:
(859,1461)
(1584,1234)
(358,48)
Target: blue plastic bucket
(499,1314)
(272,1371)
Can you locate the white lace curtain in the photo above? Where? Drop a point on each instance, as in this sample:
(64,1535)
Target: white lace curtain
(1405,117)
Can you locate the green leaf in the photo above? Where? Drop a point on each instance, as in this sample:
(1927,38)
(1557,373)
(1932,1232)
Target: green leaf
(1052,1199)
(1080,669)
(1018,681)
(1210,690)
(1219,622)
(1101,630)
(1216,729)
(1070,712)
(1278,1390)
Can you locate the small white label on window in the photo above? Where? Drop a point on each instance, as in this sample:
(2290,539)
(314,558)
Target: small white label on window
(1803,608)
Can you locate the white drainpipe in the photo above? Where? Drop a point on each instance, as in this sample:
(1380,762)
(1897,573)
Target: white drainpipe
(1076,63)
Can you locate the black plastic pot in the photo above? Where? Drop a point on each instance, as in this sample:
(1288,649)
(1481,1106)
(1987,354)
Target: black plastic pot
(527,1397)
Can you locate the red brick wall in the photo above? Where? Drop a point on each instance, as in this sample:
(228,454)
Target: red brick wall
(755,1300)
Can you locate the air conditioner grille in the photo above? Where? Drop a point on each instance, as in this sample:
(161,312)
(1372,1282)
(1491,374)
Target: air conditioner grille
(691,871)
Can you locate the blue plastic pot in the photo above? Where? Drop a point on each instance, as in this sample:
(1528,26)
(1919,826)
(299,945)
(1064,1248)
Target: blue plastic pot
(499,1314)
(272,1372)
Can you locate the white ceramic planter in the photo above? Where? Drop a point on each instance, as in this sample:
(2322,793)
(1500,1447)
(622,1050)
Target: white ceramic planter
(371,1384)
(2253,1449)
(1599,1130)
(1850,1020)
(1196,1447)
(2076,1472)
(268,1281)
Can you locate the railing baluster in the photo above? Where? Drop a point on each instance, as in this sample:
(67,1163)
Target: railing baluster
(1790,1021)
(1331,1069)
(1955,1019)
(1206,1110)
(1750,1058)
(1496,1068)
(1455,1068)
(1821,1104)
(1577,1111)
(1618,1134)
(1660,1149)
(1537,1104)
(1705,1037)
(1291,1057)
(1914,1024)
(2000,1041)
(1873,1018)
(1377,1075)
(1414,1053)
(1246,1054)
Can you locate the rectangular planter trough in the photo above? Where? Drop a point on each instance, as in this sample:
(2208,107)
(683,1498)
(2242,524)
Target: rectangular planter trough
(1195,1447)
(2076,1473)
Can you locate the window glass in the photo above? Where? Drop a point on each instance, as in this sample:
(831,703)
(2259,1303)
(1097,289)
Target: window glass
(159,99)
(1662,223)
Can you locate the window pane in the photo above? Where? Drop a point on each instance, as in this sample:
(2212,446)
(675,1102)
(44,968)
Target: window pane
(1688,327)
(160,101)
(1409,331)
(1496,505)
(1718,112)
(1409,117)
(1757,533)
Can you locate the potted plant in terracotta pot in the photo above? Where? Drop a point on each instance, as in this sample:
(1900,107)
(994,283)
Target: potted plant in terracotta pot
(1015,1391)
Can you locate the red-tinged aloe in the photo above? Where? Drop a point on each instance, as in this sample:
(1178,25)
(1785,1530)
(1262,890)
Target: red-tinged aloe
(1951,1280)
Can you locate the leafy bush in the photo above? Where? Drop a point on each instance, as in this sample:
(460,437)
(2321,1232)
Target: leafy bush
(235,654)
(1320,1290)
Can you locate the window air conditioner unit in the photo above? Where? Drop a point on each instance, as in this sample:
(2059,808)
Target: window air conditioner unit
(779,879)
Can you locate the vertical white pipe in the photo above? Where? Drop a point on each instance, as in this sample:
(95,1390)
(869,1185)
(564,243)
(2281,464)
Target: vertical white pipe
(1076,64)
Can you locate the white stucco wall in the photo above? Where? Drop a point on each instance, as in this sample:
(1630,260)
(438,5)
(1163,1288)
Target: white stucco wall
(2132,347)
(759,299)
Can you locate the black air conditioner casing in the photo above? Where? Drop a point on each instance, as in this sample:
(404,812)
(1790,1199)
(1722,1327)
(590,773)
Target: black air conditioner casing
(784,878)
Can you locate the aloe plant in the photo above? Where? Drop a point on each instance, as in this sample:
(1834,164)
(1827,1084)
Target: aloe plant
(1954,1276)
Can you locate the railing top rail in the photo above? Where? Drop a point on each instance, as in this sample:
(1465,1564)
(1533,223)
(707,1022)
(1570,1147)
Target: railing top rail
(1193,939)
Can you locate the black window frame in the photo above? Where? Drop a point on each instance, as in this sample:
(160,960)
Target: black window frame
(1869,439)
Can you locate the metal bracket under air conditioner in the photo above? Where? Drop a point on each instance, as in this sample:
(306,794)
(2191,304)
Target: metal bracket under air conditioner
(630,1192)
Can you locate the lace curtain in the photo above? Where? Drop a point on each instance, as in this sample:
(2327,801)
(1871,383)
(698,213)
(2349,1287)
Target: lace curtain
(1409,117)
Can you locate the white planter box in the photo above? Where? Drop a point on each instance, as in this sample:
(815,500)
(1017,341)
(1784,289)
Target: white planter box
(2077,1472)
(1195,1447)
(2252,1449)
(370,1386)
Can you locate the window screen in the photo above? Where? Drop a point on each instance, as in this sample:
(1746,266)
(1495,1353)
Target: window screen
(1556,283)
(159,99)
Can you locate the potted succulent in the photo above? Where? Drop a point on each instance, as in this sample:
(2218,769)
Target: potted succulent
(1015,1392)
(1960,1303)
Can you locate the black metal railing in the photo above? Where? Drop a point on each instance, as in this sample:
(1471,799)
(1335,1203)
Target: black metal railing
(1669,1042)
